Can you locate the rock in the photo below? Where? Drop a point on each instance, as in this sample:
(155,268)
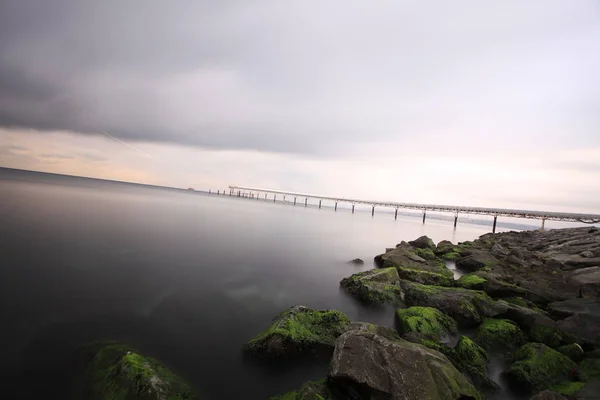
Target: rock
(500,334)
(587,254)
(426,321)
(375,287)
(467,307)
(476,261)
(423,243)
(548,395)
(537,367)
(368,366)
(471,281)
(573,351)
(300,331)
(309,391)
(583,319)
(356,261)
(536,324)
(418,265)
(116,371)
(444,247)
(472,359)
(587,281)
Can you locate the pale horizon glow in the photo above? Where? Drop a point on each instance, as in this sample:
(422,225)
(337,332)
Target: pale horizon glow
(476,103)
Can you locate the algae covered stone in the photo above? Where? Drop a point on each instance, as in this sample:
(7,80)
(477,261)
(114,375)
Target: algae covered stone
(500,334)
(471,281)
(300,331)
(115,371)
(427,321)
(467,307)
(537,367)
(375,287)
(573,351)
(378,368)
(472,359)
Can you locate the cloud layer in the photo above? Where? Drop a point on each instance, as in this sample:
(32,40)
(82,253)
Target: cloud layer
(316,78)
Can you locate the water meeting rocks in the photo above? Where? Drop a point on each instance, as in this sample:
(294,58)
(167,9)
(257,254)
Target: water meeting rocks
(300,331)
(366,365)
(115,371)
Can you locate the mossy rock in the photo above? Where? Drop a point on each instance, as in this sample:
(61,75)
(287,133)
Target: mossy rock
(590,368)
(467,307)
(500,334)
(426,254)
(300,331)
(472,359)
(409,261)
(573,351)
(309,391)
(537,367)
(452,256)
(568,388)
(471,281)
(425,277)
(375,287)
(116,371)
(427,321)
(548,335)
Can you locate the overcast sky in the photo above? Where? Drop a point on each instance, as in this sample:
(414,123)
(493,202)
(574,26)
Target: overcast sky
(491,103)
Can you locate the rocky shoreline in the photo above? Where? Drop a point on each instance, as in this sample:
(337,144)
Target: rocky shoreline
(529,299)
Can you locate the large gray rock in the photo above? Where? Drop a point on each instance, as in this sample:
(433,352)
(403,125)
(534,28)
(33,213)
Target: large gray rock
(423,243)
(587,281)
(366,365)
(582,318)
(375,287)
(476,261)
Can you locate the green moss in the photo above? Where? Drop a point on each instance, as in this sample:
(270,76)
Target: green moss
(116,372)
(545,334)
(471,281)
(426,254)
(300,329)
(568,388)
(425,277)
(426,320)
(472,359)
(573,351)
(499,334)
(452,256)
(375,287)
(537,367)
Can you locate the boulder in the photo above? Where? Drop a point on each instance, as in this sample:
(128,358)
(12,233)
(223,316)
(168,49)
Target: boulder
(426,321)
(375,287)
(500,334)
(582,319)
(586,281)
(116,371)
(423,243)
(573,351)
(472,359)
(366,365)
(537,367)
(300,331)
(472,281)
(416,264)
(467,307)
(548,395)
(444,247)
(476,260)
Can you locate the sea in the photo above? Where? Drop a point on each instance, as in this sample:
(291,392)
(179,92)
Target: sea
(184,276)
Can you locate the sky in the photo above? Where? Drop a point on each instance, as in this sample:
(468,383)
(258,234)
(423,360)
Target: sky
(474,103)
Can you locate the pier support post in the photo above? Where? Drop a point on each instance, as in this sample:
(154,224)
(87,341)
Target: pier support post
(274,198)
(372,211)
(396,214)
(424,215)
(320,204)
(455,220)
(294,201)
(305,201)
(239,193)
(218,192)
(352,208)
(494,227)
(265,196)
(335,208)
(209,191)
(543,224)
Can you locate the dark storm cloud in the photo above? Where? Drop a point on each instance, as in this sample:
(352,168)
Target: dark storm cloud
(297,76)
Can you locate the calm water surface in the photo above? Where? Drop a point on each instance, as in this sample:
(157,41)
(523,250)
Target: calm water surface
(183,276)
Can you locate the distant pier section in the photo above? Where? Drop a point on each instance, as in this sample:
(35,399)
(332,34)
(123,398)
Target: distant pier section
(267,194)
